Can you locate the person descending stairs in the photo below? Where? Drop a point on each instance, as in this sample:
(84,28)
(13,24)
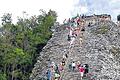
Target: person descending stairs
(67,68)
(75,71)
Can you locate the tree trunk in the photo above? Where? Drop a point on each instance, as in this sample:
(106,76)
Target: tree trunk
(5,69)
(13,67)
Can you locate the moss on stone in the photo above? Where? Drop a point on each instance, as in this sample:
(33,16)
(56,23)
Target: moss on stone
(115,50)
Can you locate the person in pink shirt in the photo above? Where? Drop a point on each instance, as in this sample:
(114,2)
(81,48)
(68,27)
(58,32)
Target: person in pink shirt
(81,70)
(61,67)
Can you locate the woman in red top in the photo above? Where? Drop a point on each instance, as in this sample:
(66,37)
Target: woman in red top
(82,70)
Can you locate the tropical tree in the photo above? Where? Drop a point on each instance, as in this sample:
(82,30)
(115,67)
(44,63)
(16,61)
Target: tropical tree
(16,57)
(21,43)
(6,18)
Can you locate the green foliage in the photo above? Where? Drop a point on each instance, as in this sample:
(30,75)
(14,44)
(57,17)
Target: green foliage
(19,43)
(118,17)
(17,56)
(3,76)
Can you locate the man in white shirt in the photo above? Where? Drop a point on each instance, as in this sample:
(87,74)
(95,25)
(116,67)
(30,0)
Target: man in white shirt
(73,65)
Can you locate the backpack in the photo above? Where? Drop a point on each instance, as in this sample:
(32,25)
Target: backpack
(86,66)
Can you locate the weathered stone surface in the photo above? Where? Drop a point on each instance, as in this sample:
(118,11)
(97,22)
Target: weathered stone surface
(100,49)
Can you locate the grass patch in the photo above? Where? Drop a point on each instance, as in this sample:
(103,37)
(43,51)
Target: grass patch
(102,30)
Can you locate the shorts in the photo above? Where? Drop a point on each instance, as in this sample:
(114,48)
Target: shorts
(86,71)
(73,67)
(82,73)
(63,63)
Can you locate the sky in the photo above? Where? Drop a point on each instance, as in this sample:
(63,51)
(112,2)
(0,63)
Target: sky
(64,8)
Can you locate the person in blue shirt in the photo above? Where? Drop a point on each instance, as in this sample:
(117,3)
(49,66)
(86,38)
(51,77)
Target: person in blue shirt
(49,74)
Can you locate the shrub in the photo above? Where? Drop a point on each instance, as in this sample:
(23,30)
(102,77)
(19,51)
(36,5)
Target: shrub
(102,30)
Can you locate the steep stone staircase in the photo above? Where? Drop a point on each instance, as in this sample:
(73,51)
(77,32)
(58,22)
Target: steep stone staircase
(99,49)
(77,53)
